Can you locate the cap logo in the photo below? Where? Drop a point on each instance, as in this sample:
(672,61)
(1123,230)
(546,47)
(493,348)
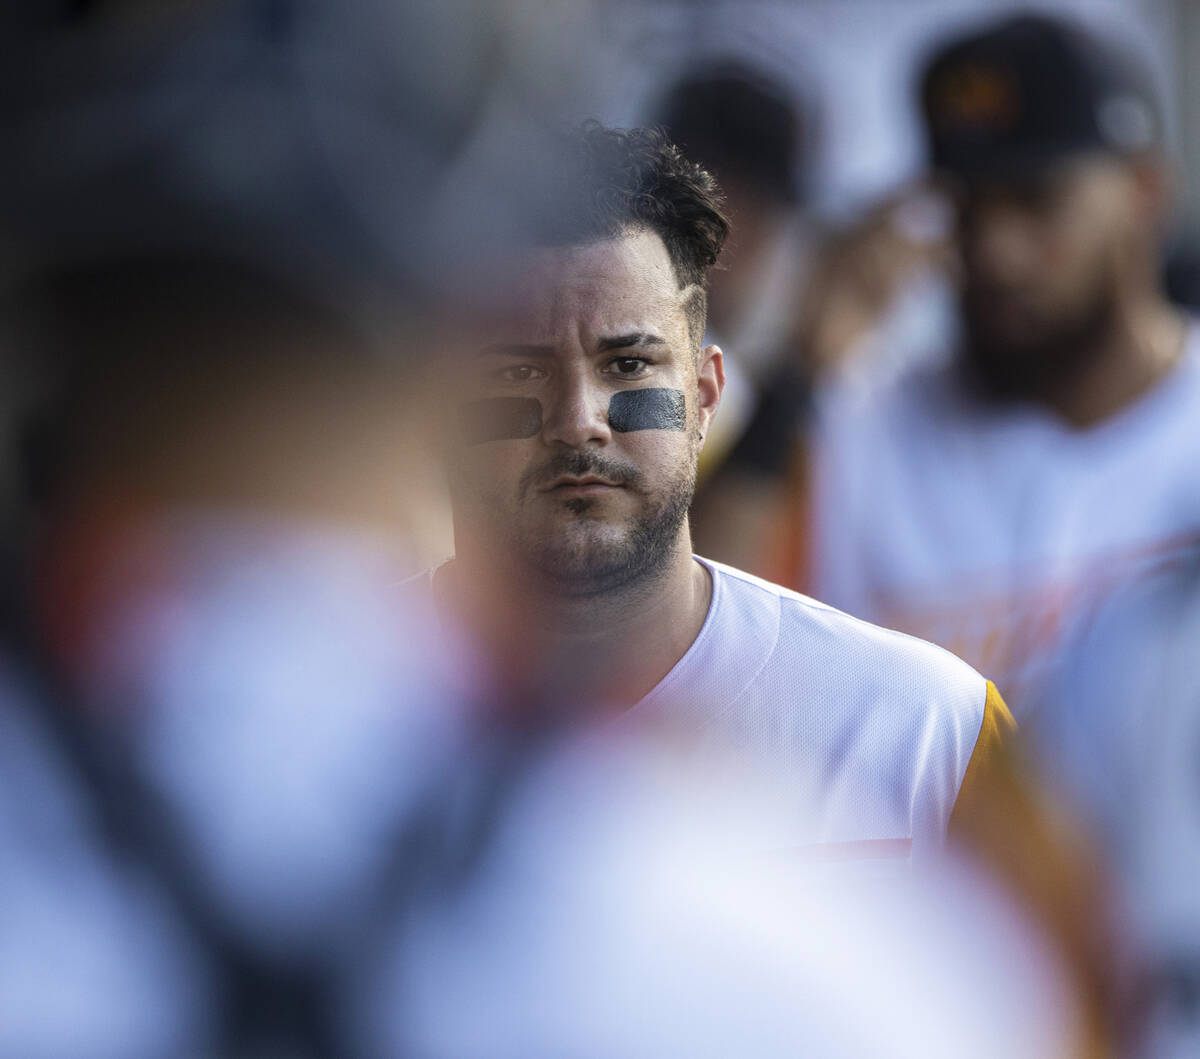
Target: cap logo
(975,96)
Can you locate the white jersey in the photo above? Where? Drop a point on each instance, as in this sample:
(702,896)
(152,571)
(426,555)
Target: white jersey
(872,731)
(994,530)
(876,729)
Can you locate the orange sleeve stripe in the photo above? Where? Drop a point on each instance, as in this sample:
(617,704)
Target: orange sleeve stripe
(990,757)
(789,538)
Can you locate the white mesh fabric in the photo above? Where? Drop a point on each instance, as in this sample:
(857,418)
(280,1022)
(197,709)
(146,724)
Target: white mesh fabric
(874,728)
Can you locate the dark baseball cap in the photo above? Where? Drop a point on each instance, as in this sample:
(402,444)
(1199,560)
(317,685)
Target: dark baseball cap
(740,122)
(1032,90)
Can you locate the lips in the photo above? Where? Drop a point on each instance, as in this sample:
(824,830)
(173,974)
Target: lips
(580,473)
(587,482)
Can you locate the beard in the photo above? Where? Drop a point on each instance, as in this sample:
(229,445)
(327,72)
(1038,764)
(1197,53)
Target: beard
(592,556)
(1038,366)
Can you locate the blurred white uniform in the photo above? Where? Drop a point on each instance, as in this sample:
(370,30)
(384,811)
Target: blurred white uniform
(620,909)
(993,530)
(284,711)
(93,960)
(875,731)
(1121,737)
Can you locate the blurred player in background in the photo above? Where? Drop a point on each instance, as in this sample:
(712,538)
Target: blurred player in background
(1133,777)
(754,134)
(990,503)
(1120,740)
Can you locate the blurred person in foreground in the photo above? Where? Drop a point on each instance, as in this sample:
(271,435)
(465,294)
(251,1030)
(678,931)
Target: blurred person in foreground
(614,898)
(221,713)
(572,442)
(987,504)
(216,715)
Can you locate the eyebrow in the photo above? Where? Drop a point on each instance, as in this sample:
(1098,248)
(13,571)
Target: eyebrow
(637,338)
(506,349)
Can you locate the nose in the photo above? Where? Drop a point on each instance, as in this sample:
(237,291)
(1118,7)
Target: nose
(999,245)
(578,412)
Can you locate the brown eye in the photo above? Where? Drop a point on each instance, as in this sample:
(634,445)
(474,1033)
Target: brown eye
(628,367)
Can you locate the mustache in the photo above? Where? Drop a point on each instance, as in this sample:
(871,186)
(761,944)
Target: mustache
(577,463)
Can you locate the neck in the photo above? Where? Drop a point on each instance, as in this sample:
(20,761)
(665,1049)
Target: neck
(549,647)
(1145,343)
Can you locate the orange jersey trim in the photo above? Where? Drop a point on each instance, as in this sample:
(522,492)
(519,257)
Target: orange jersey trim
(993,746)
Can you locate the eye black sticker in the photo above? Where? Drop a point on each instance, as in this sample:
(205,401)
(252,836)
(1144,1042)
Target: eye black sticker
(499,419)
(653,409)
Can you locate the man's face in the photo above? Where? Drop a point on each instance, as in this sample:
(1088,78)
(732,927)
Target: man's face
(579,421)
(1043,258)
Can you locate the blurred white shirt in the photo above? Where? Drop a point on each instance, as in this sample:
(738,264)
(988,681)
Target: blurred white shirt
(993,530)
(622,906)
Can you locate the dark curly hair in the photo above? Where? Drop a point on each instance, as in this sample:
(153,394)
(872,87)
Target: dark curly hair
(622,180)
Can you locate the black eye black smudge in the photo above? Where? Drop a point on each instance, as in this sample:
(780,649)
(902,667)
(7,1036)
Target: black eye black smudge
(499,419)
(653,409)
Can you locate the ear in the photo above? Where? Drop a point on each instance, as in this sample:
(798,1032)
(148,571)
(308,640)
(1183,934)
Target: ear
(710,382)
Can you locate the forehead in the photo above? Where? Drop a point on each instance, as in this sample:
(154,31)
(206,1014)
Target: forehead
(610,287)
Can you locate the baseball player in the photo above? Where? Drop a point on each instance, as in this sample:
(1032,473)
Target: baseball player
(573,432)
(990,502)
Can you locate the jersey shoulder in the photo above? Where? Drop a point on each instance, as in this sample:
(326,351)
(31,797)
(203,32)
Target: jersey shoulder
(811,631)
(885,724)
